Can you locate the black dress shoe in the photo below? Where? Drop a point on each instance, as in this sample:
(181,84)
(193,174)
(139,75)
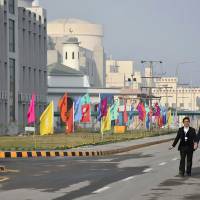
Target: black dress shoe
(181,174)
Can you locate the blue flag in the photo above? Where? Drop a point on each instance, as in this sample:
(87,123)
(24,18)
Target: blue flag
(77,109)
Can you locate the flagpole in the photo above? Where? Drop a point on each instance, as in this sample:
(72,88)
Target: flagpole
(73,117)
(35,142)
(101,131)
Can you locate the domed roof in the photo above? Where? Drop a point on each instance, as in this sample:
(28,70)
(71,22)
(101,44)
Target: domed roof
(71,21)
(70,40)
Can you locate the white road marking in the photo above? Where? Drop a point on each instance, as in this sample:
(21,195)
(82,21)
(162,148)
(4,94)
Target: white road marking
(3,179)
(174,159)
(162,163)
(128,178)
(101,190)
(147,170)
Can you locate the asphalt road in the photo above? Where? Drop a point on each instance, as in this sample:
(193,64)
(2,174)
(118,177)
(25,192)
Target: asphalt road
(144,174)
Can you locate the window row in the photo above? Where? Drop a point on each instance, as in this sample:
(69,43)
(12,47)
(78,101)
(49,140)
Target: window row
(67,56)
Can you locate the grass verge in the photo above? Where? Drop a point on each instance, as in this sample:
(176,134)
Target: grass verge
(62,141)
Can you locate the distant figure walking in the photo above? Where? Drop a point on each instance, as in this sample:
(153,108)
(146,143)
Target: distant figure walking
(188,143)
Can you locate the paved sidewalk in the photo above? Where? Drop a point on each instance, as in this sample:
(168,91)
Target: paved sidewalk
(123,145)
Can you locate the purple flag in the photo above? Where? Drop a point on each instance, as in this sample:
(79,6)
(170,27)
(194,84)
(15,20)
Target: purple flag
(102,108)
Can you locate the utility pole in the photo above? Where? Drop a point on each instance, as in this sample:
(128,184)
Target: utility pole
(151,77)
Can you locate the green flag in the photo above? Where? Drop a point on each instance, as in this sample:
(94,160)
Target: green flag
(114,110)
(85,99)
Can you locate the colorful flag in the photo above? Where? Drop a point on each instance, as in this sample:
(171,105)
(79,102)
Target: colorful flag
(85,99)
(164,115)
(46,120)
(66,107)
(102,109)
(125,113)
(114,110)
(31,110)
(86,113)
(70,116)
(141,111)
(62,104)
(147,111)
(169,118)
(106,122)
(110,98)
(160,121)
(157,110)
(131,115)
(77,109)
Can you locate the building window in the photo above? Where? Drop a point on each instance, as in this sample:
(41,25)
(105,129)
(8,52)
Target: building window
(23,76)
(12,89)
(11,35)
(40,78)
(72,55)
(35,79)
(12,6)
(181,105)
(66,55)
(173,105)
(29,76)
(45,80)
(113,69)
(6,73)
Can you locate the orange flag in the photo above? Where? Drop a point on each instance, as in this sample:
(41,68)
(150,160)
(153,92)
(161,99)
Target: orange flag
(62,104)
(67,112)
(70,119)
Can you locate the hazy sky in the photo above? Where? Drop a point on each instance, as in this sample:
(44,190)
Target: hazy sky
(167,30)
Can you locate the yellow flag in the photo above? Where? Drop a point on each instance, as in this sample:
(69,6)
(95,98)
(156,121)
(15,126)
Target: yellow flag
(169,117)
(46,120)
(106,122)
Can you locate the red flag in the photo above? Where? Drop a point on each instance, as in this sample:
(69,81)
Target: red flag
(125,113)
(62,104)
(160,121)
(70,118)
(86,113)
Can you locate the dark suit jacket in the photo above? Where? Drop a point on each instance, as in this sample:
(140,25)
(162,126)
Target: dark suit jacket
(191,135)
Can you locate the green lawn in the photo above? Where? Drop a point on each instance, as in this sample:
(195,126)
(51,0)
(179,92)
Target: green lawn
(63,141)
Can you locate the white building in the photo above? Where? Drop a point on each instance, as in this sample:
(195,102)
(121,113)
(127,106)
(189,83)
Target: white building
(186,98)
(120,73)
(22,62)
(88,48)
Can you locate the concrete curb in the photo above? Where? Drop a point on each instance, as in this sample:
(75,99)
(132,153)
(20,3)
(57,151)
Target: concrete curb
(47,154)
(44,154)
(137,146)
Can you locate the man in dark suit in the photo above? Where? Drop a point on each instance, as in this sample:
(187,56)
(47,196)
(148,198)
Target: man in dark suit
(188,143)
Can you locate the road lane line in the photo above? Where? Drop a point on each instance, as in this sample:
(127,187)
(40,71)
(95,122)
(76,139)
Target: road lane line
(128,178)
(174,159)
(101,190)
(3,179)
(147,170)
(162,163)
